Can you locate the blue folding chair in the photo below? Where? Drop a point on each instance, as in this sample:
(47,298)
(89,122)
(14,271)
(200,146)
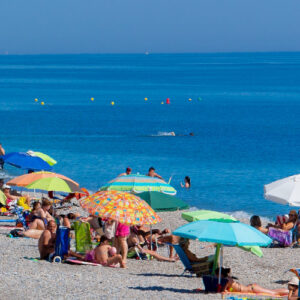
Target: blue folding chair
(190,266)
(62,243)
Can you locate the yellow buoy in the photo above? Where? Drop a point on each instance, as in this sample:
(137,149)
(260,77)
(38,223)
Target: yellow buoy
(146,99)
(92,99)
(36,100)
(42,103)
(162,102)
(112,103)
(190,99)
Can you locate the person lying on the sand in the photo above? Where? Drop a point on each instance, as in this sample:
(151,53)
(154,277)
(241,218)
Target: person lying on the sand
(256,223)
(293,286)
(234,286)
(105,254)
(47,241)
(289,224)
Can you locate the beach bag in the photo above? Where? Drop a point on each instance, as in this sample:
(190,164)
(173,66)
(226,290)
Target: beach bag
(83,240)
(284,238)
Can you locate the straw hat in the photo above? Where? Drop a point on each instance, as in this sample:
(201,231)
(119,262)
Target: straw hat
(294,281)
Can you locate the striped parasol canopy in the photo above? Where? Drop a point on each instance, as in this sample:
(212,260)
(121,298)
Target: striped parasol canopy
(138,184)
(123,207)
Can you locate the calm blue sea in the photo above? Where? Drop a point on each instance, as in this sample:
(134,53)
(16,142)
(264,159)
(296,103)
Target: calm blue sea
(246,124)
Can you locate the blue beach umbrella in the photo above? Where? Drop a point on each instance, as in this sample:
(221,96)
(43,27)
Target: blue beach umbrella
(26,162)
(223,233)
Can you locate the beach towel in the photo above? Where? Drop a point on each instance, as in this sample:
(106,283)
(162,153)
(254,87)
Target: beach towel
(284,238)
(80,262)
(249,296)
(83,240)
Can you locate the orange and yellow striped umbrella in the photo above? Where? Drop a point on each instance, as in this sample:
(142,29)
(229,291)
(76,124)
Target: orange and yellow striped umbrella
(123,207)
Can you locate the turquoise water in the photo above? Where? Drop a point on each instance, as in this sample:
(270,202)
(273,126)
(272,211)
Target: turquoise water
(246,124)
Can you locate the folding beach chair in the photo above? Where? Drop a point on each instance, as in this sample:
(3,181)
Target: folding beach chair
(200,268)
(83,239)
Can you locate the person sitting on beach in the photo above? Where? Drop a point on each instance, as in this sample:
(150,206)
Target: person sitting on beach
(236,287)
(289,224)
(10,198)
(187,182)
(152,173)
(256,223)
(65,220)
(46,242)
(106,255)
(42,214)
(127,172)
(293,287)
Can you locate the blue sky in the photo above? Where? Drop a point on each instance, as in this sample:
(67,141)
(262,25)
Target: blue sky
(134,26)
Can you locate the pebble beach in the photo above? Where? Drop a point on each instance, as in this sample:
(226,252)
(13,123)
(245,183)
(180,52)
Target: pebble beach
(24,277)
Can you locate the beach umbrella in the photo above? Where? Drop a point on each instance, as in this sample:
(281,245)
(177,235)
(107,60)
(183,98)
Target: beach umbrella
(211,215)
(55,184)
(2,198)
(203,214)
(284,191)
(26,162)
(123,207)
(163,202)
(138,184)
(223,233)
(26,179)
(51,161)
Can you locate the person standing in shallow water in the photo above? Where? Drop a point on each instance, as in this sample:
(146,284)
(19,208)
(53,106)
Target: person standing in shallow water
(127,172)
(187,182)
(152,173)
(2,152)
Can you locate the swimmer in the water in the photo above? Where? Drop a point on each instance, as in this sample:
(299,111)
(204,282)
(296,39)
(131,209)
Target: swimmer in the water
(172,133)
(187,182)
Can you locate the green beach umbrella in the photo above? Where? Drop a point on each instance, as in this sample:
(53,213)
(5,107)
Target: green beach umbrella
(198,215)
(163,202)
(43,156)
(55,184)
(2,198)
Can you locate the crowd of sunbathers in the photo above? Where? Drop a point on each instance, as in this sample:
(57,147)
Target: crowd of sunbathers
(285,230)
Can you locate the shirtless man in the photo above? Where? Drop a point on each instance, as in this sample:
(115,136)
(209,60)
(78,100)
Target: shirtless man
(47,241)
(2,152)
(152,173)
(102,254)
(127,172)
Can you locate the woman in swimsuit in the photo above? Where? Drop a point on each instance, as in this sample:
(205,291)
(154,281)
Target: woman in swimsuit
(233,286)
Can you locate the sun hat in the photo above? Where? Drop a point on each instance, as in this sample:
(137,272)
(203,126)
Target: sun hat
(5,186)
(294,281)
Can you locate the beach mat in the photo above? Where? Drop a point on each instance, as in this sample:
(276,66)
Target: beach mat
(80,262)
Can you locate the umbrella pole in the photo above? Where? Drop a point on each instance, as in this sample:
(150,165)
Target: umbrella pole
(220,270)
(216,259)
(151,237)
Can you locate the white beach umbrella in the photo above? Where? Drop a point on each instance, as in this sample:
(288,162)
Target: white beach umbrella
(284,191)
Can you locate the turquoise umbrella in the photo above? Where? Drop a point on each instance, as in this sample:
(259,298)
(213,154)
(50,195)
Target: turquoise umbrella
(223,233)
